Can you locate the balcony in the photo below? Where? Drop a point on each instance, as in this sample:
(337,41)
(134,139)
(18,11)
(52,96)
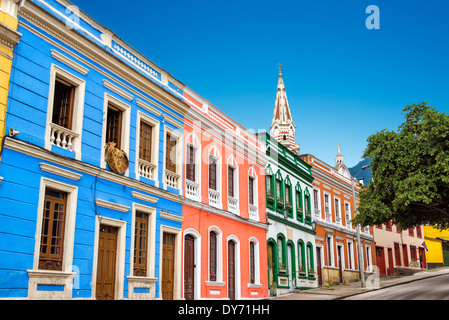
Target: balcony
(192,190)
(147,169)
(233,204)
(171,179)
(253,211)
(62,137)
(214,198)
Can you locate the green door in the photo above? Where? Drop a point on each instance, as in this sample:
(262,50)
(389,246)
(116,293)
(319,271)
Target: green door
(446,253)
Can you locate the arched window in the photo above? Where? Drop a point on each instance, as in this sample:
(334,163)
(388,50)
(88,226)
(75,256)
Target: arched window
(212,256)
(310,263)
(301,258)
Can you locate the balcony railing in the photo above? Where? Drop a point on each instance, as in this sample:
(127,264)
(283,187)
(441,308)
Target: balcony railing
(171,179)
(252,211)
(233,204)
(62,137)
(147,169)
(214,198)
(192,190)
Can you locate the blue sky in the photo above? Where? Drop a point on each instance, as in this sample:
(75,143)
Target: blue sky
(343,81)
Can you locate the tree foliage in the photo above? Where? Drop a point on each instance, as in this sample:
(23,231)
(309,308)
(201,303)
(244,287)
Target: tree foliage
(410,170)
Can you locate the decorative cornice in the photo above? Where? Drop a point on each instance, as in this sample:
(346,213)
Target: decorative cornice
(111,205)
(174,217)
(8,36)
(59,171)
(117,90)
(144,197)
(59,56)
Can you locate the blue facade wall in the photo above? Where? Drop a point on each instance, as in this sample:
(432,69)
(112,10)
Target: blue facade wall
(19,190)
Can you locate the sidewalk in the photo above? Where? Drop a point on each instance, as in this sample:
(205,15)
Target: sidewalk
(340,291)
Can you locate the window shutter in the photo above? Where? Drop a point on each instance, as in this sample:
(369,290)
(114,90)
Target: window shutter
(114,126)
(212,174)
(251,190)
(231,181)
(252,263)
(190,175)
(63,104)
(170,153)
(213,256)
(145,141)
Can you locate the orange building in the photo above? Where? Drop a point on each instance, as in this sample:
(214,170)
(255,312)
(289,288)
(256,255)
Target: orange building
(336,237)
(224,223)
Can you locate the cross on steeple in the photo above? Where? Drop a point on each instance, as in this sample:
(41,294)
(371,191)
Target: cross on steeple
(280,67)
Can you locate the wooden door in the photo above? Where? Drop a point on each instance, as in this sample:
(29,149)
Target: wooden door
(168,265)
(390,262)
(189,267)
(231,270)
(405,255)
(107,251)
(318,261)
(340,264)
(380,259)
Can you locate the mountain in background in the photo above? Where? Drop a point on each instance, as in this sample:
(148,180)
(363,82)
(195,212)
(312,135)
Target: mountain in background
(365,174)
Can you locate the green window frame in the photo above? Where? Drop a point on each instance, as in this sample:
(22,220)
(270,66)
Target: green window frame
(288,196)
(310,260)
(299,203)
(308,206)
(281,247)
(302,259)
(279,192)
(270,187)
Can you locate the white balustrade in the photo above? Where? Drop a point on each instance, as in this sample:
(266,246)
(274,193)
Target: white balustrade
(147,169)
(252,211)
(171,179)
(233,204)
(214,198)
(192,189)
(62,137)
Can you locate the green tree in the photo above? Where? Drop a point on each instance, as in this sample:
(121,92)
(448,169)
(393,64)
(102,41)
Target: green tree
(410,170)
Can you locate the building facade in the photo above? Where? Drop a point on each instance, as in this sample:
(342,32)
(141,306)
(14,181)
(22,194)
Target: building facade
(91,197)
(224,226)
(437,242)
(336,237)
(288,183)
(290,235)
(398,249)
(9,37)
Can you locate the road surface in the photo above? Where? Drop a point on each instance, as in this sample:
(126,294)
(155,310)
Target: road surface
(433,288)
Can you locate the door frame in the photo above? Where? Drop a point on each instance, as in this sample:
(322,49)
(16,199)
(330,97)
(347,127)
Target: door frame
(236,265)
(177,262)
(197,261)
(120,255)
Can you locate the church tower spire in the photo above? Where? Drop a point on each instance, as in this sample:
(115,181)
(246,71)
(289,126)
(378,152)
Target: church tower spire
(339,159)
(282,127)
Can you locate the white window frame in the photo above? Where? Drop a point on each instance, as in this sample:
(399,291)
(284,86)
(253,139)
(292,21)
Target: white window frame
(192,140)
(142,117)
(218,258)
(256,283)
(232,162)
(351,255)
(316,206)
(214,153)
(125,127)
(78,107)
(64,277)
(178,153)
(348,221)
(337,209)
(330,207)
(331,250)
(252,173)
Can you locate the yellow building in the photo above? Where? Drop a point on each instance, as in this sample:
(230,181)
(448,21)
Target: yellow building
(437,242)
(9,37)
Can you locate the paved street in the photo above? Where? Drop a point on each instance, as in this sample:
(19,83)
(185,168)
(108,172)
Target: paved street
(423,285)
(433,288)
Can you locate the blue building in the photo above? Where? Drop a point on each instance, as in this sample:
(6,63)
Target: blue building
(90,187)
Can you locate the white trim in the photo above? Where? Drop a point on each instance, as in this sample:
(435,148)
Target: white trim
(177,261)
(252,174)
(117,90)
(166,215)
(125,127)
(178,154)
(148,107)
(59,171)
(74,65)
(197,261)
(148,281)
(120,257)
(236,240)
(155,131)
(232,162)
(219,257)
(111,205)
(144,197)
(37,276)
(78,107)
(256,283)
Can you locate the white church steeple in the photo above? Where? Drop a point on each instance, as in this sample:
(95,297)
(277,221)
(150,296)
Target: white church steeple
(282,127)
